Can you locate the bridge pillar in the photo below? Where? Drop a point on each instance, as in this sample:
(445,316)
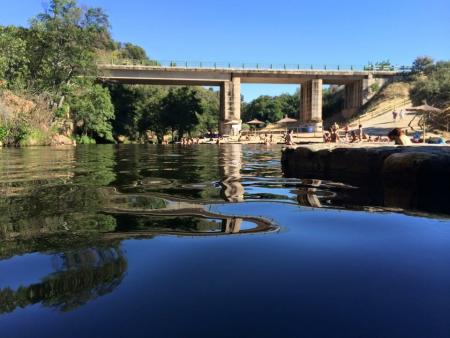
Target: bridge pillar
(230,107)
(354,97)
(311,101)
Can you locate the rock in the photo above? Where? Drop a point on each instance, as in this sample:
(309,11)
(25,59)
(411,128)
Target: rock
(121,139)
(58,140)
(416,177)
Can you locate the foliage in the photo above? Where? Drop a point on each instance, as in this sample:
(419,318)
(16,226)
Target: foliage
(84,139)
(434,86)
(180,110)
(131,51)
(13,57)
(92,110)
(136,109)
(421,64)
(374,87)
(271,108)
(332,101)
(62,44)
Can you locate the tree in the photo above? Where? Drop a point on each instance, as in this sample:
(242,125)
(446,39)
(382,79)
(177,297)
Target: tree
(180,110)
(421,64)
(13,57)
(434,87)
(133,52)
(62,44)
(272,108)
(91,109)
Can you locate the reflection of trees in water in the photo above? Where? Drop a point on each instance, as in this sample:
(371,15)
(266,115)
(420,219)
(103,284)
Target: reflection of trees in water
(58,205)
(173,170)
(81,276)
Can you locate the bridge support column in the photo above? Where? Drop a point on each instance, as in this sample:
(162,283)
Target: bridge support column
(230,107)
(354,96)
(311,102)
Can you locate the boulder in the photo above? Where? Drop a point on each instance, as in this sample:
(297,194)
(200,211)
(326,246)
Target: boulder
(62,140)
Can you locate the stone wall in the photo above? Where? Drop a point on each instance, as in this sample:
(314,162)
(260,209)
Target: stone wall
(416,177)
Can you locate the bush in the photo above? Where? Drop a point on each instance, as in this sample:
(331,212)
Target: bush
(374,87)
(84,139)
(3,133)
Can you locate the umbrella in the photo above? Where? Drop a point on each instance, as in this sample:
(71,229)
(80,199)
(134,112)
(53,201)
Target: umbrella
(286,119)
(255,121)
(425,108)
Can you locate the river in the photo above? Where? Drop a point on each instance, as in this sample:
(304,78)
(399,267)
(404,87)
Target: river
(208,241)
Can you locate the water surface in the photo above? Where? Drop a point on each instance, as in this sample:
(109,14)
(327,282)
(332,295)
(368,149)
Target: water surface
(208,241)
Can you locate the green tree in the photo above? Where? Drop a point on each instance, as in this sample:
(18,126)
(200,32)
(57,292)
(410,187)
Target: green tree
(180,110)
(272,108)
(422,64)
(13,57)
(62,44)
(433,87)
(131,51)
(91,109)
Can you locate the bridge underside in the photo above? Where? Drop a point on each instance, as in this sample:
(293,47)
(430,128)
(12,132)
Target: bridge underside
(357,87)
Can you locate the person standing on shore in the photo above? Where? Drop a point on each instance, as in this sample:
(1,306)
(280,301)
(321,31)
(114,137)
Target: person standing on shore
(394,115)
(360,132)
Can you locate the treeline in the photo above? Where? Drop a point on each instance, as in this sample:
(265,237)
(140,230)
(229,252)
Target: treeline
(431,82)
(52,64)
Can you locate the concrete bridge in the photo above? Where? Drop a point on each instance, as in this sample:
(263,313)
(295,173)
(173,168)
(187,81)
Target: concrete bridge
(357,86)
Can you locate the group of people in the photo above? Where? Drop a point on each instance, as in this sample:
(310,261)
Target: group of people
(350,136)
(332,135)
(189,140)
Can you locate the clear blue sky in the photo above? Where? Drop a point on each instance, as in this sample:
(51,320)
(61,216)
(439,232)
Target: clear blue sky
(282,31)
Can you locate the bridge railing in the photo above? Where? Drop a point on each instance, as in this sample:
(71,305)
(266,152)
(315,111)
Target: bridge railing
(249,65)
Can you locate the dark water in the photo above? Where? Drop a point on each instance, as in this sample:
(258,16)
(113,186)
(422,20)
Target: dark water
(208,241)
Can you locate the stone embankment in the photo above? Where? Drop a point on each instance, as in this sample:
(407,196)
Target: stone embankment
(415,177)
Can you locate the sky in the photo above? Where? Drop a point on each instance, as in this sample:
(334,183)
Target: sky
(345,32)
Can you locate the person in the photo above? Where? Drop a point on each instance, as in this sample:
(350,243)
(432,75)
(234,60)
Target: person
(290,138)
(402,114)
(346,130)
(360,132)
(398,136)
(353,137)
(334,135)
(335,127)
(326,137)
(394,115)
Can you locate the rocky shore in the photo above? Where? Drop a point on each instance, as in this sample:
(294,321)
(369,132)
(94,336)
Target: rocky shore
(413,177)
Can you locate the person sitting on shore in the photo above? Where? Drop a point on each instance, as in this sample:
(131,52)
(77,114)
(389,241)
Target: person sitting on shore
(334,135)
(353,137)
(398,136)
(346,130)
(326,137)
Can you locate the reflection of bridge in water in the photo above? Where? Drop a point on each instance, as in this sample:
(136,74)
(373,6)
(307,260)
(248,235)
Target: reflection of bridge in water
(230,165)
